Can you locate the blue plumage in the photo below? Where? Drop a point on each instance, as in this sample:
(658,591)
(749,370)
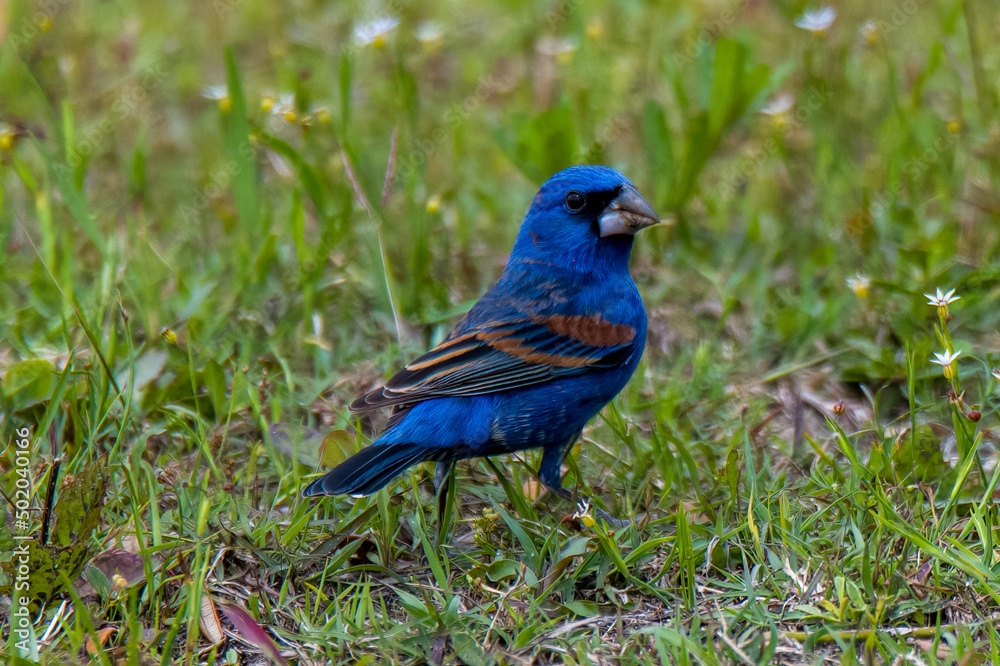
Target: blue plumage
(552,342)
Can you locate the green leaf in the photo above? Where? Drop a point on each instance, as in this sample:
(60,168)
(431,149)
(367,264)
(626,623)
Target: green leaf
(310,181)
(919,454)
(81,499)
(76,514)
(526,543)
(583,608)
(517,498)
(266,256)
(215,382)
(468,649)
(659,147)
(62,176)
(240,151)
(28,383)
(500,569)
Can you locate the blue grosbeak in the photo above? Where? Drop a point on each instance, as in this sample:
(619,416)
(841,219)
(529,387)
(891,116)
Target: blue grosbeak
(552,342)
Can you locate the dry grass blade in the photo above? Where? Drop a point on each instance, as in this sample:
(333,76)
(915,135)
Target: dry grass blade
(359,194)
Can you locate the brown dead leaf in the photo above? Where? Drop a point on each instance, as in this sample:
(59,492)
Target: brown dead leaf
(102,635)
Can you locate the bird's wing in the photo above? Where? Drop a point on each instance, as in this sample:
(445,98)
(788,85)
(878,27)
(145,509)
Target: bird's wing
(504,355)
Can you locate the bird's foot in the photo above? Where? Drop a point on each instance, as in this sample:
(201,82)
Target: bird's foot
(585,508)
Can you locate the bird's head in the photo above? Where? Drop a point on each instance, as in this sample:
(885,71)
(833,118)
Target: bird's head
(583,217)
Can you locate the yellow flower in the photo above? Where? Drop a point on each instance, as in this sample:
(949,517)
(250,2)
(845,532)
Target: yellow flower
(434,203)
(595,28)
(954,126)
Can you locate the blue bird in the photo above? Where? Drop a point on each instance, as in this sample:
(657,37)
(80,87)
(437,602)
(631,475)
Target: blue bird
(551,343)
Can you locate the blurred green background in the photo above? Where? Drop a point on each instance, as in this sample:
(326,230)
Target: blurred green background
(222,221)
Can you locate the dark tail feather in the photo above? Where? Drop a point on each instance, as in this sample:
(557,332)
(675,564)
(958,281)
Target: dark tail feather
(368,470)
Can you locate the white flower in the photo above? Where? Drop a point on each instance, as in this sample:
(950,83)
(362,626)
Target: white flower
(429,31)
(996,373)
(779,105)
(374,32)
(215,92)
(860,284)
(561,49)
(946,359)
(869,30)
(817,20)
(220,94)
(285,107)
(940,299)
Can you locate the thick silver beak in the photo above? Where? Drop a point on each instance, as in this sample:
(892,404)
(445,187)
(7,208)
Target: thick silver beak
(626,214)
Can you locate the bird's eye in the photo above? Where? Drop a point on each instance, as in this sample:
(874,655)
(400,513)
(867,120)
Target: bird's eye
(575,201)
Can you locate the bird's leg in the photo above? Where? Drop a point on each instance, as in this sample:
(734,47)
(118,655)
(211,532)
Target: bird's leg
(550,470)
(550,476)
(441,472)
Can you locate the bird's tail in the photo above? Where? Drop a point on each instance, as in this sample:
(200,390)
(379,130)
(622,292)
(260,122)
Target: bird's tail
(368,470)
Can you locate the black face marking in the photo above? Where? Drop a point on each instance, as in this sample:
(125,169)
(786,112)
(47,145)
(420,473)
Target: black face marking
(594,204)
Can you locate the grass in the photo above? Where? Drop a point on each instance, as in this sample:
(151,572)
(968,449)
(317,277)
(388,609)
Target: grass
(204,262)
